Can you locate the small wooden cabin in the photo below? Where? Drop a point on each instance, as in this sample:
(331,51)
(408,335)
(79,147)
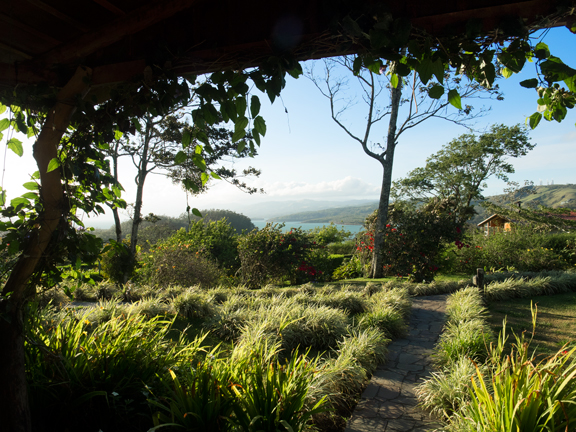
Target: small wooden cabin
(495,223)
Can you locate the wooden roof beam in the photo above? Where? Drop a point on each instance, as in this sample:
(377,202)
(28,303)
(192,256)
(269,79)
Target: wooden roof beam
(106,35)
(28,29)
(57,14)
(112,8)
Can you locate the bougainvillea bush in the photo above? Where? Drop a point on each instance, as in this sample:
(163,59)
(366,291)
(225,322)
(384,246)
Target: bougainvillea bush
(413,241)
(269,255)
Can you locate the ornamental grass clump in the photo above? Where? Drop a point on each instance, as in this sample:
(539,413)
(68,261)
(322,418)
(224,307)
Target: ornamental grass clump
(345,373)
(148,306)
(519,393)
(446,391)
(318,327)
(387,319)
(466,332)
(467,338)
(79,372)
(398,298)
(193,303)
(350,302)
(465,305)
(525,287)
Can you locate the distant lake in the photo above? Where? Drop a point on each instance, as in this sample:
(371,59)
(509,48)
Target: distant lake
(308,226)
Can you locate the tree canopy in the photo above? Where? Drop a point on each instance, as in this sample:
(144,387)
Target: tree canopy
(457,173)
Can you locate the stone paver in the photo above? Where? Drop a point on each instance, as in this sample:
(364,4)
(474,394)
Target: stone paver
(389,402)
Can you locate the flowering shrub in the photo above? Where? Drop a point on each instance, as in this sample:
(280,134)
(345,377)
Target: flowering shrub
(269,255)
(413,241)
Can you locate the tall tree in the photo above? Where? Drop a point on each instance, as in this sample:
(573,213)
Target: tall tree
(457,174)
(156,146)
(408,100)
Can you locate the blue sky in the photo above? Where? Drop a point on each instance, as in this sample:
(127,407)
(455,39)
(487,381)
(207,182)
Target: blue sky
(305,155)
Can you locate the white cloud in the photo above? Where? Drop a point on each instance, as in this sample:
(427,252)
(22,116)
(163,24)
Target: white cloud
(348,187)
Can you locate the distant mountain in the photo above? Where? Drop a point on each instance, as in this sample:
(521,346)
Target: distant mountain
(550,196)
(353,215)
(276,209)
(553,196)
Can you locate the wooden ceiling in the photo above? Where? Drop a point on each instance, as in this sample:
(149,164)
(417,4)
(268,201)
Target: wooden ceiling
(43,41)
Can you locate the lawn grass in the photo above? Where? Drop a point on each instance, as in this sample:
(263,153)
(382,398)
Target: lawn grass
(556,320)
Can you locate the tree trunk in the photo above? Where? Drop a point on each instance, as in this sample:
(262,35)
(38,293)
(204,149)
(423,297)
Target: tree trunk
(140,179)
(377,268)
(14,408)
(117,224)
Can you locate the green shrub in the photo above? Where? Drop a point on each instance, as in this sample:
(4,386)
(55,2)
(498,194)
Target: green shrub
(117,263)
(176,265)
(269,255)
(522,249)
(351,269)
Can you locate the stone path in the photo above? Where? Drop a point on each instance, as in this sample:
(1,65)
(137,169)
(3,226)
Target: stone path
(389,402)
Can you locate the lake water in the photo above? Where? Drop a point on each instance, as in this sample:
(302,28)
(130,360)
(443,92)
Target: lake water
(308,226)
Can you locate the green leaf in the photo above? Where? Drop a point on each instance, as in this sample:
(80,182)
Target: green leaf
(54,164)
(425,71)
(254,106)
(186,138)
(199,162)
(241,106)
(16,146)
(19,201)
(241,146)
(117,191)
(555,70)
(31,185)
(436,91)
(196,212)
(118,134)
(506,73)
(438,70)
(529,83)
(2,197)
(394,80)
(375,66)
(30,196)
(260,125)
(241,123)
(35,176)
(4,123)
(238,135)
(571,83)
(454,99)
(204,177)
(180,158)
(216,176)
(198,149)
(202,137)
(534,119)
(2,108)
(541,51)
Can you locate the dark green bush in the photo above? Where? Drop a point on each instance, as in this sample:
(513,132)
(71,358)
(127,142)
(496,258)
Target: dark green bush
(271,256)
(522,249)
(173,265)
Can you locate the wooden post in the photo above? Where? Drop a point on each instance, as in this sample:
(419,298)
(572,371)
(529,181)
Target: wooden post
(480,279)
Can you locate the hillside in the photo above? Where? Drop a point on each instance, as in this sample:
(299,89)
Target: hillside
(354,215)
(550,196)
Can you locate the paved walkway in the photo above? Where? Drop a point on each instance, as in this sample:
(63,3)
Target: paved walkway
(389,402)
